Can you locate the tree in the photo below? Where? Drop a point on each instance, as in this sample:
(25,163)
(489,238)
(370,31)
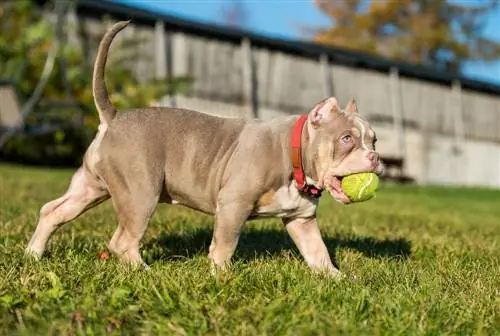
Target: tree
(26,36)
(428,32)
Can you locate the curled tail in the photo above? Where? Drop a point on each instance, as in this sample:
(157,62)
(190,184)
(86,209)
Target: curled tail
(101,98)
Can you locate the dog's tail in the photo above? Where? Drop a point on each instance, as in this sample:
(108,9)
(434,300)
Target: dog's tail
(101,98)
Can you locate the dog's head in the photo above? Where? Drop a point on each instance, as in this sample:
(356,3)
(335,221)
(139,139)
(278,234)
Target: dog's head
(341,143)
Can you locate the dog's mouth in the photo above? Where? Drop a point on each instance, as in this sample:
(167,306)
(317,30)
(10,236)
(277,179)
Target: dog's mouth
(334,187)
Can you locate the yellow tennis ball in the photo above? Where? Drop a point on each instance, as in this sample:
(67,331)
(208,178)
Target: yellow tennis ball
(360,187)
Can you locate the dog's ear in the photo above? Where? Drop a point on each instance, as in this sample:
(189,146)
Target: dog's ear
(352,106)
(324,111)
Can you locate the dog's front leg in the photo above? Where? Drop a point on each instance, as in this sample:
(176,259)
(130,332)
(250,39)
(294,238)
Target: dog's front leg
(307,237)
(230,217)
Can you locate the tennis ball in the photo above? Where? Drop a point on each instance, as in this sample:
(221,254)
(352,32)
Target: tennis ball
(360,187)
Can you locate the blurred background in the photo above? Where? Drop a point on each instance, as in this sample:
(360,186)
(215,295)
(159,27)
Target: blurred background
(426,73)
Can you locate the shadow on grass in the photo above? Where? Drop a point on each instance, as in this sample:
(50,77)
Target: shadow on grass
(268,242)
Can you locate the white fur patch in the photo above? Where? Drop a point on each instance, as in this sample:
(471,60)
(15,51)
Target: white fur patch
(358,121)
(93,156)
(355,131)
(288,201)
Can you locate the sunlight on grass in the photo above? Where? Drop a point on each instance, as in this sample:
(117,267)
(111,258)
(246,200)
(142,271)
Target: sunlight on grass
(427,259)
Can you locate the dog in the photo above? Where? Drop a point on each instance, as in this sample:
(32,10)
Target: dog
(233,168)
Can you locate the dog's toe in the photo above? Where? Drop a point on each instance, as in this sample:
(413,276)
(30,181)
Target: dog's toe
(32,254)
(354,278)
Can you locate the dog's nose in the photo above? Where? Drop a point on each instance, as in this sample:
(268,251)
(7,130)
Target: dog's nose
(373,156)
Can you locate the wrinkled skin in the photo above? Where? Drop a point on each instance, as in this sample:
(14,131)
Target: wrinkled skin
(344,143)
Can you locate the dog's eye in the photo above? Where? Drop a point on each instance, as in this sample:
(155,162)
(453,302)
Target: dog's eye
(346,138)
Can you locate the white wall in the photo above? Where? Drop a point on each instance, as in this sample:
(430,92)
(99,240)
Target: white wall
(476,163)
(429,159)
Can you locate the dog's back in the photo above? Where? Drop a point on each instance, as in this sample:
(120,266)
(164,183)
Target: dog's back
(154,144)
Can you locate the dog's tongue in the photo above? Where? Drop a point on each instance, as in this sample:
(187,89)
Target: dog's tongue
(336,190)
(336,185)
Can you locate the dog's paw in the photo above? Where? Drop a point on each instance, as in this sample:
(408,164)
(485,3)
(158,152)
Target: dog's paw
(218,270)
(336,274)
(354,278)
(345,277)
(145,267)
(31,254)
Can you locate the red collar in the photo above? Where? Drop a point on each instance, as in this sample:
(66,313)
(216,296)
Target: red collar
(296,156)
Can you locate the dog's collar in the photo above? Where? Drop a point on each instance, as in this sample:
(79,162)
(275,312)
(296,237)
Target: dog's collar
(304,183)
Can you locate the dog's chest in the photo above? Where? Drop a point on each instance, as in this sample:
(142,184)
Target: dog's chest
(287,201)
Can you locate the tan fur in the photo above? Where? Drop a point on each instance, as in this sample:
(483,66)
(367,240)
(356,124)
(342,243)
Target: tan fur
(356,132)
(287,202)
(234,169)
(266,198)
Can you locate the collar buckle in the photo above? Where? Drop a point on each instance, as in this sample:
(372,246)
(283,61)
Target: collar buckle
(312,190)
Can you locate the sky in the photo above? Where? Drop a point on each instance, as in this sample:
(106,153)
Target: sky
(288,18)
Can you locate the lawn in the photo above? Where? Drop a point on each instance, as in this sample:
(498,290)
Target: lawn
(427,259)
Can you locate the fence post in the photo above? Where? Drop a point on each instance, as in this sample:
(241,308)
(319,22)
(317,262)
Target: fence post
(178,54)
(161,50)
(454,106)
(458,122)
(327,80)
(250,98)
(276,85)
(396,107)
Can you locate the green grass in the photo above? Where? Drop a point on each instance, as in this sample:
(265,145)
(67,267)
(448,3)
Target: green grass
(428,262)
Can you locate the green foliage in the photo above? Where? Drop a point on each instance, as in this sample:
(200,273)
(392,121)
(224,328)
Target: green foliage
(427,260)
(25,39)
(61,147)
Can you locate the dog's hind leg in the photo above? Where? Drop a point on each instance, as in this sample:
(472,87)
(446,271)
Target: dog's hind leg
(84,193)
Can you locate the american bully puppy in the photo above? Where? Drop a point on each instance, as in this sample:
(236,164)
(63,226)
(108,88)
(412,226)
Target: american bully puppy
(235,169)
